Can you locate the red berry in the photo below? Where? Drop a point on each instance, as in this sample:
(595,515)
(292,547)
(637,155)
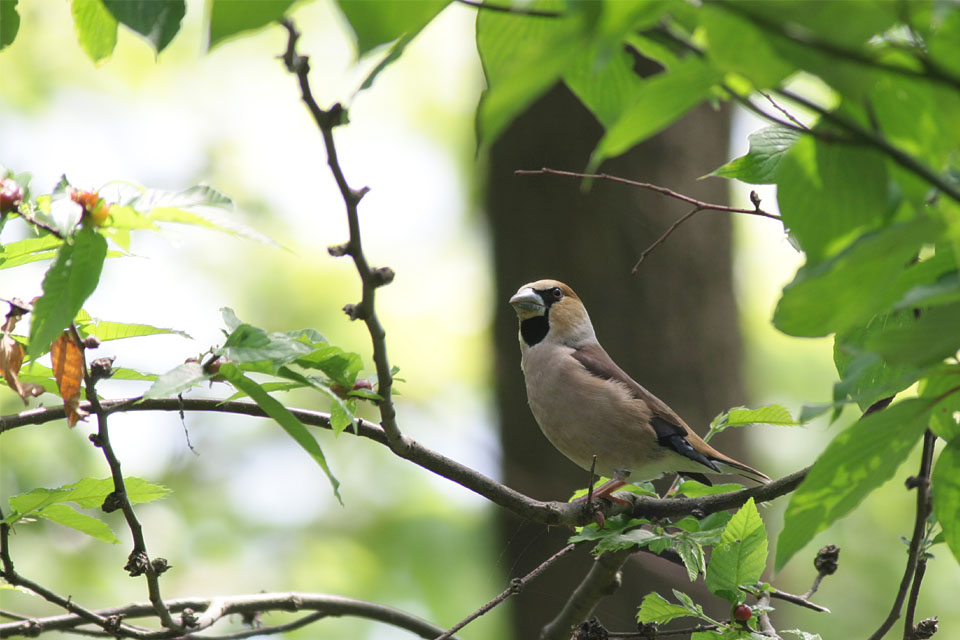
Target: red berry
(363,383)
(11,195)
(742,612)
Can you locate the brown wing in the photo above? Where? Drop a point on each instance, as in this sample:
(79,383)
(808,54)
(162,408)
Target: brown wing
(672,432)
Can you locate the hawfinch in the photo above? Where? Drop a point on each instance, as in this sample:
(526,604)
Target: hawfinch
(588,406)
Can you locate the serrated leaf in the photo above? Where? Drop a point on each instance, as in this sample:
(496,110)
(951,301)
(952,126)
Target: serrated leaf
(27,503)
(855,463)
(691,554)
(741,556)
(655,608)
(69,281)
(229,18)
(90,493)
(927,339)
(945,487)
(290,423)
(96,28)
(773,414)
(694,489)
(21,252)
(105,330)
(69,517)
(853,286)
(340,366)
(177,380)
(156,20)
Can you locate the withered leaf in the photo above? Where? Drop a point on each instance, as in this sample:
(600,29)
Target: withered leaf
(68,367)
(11,357)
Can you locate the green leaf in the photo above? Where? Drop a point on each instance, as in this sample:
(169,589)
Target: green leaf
(9,22)
(853,286)
(655,608)
(855,463)
(105,330)
(290,423)
(25,504)
(694,489)
(249,345)
(96,28)
(773,414)
(661,100)
(827,191)
(69,281)
(925,340)
(759,165)
(737,45)
(376,22)
(340,366)
(741,556)
(945,487)
(70,517)
(691,554)
(231,17)
(29,250)
(865,377)
(156,20)
(604,83)
(943,385)
(177,380)
(522,57)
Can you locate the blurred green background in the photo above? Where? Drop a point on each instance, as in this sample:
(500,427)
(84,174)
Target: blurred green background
(250,512)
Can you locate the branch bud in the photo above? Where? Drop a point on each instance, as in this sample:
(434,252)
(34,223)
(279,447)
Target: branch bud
(924,629)
(382,276)
(339,250)
(827,560)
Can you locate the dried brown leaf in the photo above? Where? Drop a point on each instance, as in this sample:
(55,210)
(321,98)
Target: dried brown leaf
(68,368)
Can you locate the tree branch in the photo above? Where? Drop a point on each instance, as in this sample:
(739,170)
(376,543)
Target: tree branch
(138,561)
(548,513)
(516,585)
(602,580)
(216,609)
(370,278)
(922,483)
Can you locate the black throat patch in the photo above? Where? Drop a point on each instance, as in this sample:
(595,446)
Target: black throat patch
(535,329)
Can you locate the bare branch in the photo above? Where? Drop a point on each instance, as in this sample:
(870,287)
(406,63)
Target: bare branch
(218,608)
(516,585)
(706,206)
(549,513)
(922,484)
(138,563)
(370,278)
(663,238)
(602,580)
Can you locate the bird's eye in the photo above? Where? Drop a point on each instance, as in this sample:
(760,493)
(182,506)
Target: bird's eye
(556,293)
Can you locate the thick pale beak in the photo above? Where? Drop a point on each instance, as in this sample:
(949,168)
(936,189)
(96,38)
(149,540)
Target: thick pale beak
(528,303)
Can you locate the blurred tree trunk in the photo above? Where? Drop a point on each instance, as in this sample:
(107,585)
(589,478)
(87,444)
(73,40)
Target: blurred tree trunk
(673,327)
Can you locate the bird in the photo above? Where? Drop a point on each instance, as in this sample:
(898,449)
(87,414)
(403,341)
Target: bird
(587,406)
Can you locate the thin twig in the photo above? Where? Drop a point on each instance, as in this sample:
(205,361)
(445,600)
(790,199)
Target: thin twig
(663,237)
(371,279)
(922,484)
(763,620)
(139,560)
(549,513)
(698,205)
(516,585)
(215,609)
(269,630)
(519,11)
(82,614)
(914,596)
(776,105)
(601,580)
(661,633)
(706,206)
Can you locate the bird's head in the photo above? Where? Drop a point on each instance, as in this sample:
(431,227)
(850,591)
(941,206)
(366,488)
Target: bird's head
(550,310)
